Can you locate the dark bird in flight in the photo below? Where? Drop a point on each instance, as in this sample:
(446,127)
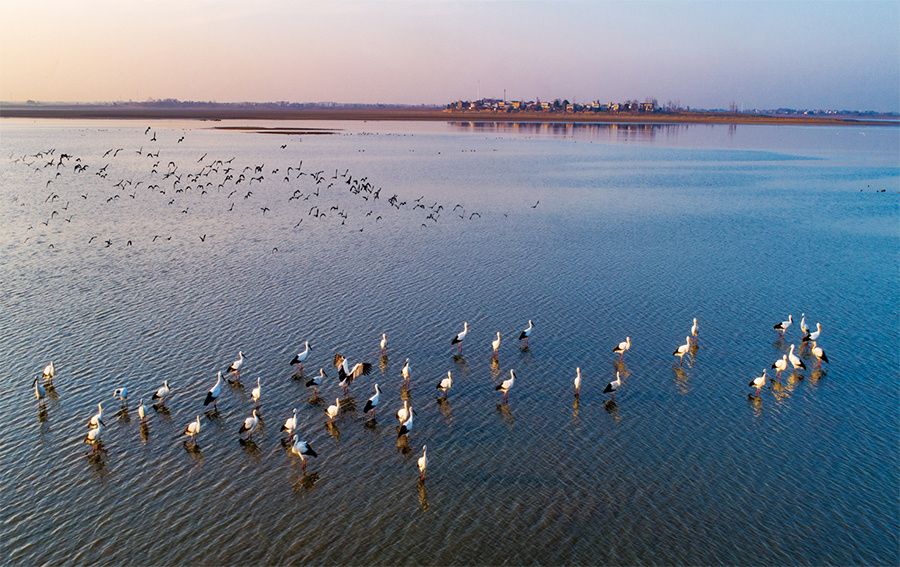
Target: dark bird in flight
(534,206)
(181,139)
(203,238)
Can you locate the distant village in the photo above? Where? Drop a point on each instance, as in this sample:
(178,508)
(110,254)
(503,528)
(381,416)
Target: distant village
(557,105)
(648,106)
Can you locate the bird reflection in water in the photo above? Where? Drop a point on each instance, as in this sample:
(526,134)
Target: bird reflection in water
(145,432)
(213,415)
(192,448)
(755,403)
(306,482)
(619,366)
(162,411)
(792,381)
(403,444)
(816,375)
(495,368)
(97,459)
(122,415)
(779,392)
(446,410)
(42,412)
(298,374)
(405,393)
(681,380)
(461,363)
(383,364)
(251,448)
(333,430)
(612,408)
(52,394)
(576,404)
(348,404)
(423,495)
(505,414)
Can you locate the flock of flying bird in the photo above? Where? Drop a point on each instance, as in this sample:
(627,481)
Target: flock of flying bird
(232,188)
(347,373)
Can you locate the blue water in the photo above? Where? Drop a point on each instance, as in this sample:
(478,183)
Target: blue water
(636,231)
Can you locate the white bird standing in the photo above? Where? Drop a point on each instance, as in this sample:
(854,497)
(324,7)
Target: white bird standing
(404,372)
(212,396)
(290,424)
(121,394)
(192,429)
(814,336)
(695,329)
(316,381)
(820,355)
(783,326)
(780,365)
(507,384)
(495,345)
(301,357)
(141,409)
(403,413)
(622,347)
(423,462)
(302,449)
(383,343)
(249,424)
(332,411)
(795,360)
(97,418)
(759,382)
(460,337)
(255,392)
(49,371)
(683,350)
(162,393)
(613,386)
(94,435)
(236,365)
(526,333)
(39,391)
(577,381)
(407,425)
(372,402)
(445,384)
(804,329)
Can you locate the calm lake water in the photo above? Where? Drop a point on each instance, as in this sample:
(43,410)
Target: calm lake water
(636,230)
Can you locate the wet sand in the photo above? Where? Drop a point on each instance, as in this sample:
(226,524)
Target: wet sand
(409,114)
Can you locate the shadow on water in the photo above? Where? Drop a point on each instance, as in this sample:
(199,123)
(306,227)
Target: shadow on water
(681,380)
(251,449)
(306,482)
(96,458)
(612,408)
(495,367)
(403,444)
(576,405)
(333,430)
(423,495)
(755,402)
(505,414)
(444,405)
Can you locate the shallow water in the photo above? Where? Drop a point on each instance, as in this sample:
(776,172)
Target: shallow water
(637,230)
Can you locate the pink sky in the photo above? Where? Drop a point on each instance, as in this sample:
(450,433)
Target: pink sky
(818,55)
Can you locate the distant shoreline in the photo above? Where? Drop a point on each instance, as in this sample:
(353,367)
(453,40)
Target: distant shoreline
(125,112)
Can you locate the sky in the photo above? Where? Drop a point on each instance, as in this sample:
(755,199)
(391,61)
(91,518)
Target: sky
(824,54)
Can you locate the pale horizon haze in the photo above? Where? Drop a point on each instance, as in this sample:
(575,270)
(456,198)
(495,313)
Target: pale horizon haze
(823,55)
